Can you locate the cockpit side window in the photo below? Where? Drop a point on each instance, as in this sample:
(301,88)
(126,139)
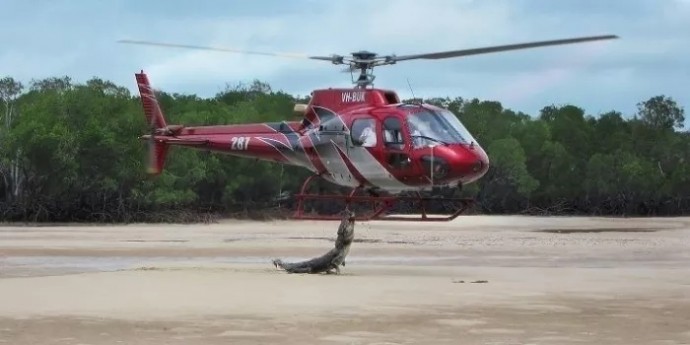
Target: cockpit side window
(363,132)
(392,133)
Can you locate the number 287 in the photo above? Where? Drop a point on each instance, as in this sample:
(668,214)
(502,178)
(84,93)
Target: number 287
(239,143)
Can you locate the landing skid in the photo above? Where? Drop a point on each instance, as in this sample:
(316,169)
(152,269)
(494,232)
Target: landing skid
(379,206)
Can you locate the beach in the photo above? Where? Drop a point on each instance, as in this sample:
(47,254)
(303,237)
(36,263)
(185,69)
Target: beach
(474,280)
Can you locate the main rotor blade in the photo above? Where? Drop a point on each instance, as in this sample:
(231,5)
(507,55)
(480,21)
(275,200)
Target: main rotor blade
(493,49)
(227,50)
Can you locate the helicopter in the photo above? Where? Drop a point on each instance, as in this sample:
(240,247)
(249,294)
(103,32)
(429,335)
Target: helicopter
(361,138)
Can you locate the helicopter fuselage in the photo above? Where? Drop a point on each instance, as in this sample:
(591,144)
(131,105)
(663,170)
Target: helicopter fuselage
(355,138)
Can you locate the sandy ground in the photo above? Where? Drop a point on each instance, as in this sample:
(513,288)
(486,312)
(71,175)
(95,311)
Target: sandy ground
(476,280)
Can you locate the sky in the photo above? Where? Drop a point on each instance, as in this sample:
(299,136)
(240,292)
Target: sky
(77,38)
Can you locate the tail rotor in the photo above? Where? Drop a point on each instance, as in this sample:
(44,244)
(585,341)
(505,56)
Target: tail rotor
(151,166)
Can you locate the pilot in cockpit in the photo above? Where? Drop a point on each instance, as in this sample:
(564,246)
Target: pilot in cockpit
(368,137)
(416,132)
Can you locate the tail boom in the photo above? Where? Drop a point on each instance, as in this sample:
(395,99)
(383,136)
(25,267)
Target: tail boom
(271,141)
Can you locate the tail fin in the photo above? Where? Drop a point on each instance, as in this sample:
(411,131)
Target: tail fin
(154,115)
(158,149)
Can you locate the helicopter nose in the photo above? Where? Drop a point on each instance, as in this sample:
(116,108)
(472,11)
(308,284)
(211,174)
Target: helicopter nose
(469,163)
(480,164)
(459,163)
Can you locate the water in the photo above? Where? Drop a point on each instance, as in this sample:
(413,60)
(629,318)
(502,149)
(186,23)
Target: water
(76,264)
(54,265)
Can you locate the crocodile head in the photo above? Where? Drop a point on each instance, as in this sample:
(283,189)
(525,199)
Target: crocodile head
(277,263)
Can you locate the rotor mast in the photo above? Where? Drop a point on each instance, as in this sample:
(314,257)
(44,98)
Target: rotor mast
(364,61)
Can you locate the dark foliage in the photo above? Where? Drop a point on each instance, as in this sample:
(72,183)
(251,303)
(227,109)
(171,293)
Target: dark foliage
(68,152)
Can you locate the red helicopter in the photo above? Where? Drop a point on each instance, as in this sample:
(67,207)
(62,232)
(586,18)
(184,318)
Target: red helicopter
(363,138)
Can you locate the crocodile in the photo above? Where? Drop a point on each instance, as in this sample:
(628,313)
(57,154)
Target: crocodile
(329,262)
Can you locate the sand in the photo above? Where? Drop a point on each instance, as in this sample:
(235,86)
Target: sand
(475,280)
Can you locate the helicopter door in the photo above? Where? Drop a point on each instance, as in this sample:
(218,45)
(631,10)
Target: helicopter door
(395,154)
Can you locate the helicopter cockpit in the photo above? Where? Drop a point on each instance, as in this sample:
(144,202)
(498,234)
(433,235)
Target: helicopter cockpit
(439,144)
(431,127)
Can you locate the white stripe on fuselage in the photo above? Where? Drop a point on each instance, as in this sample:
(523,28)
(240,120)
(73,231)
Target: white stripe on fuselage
(371,169)
(361,159)
(334,164)
(293,152)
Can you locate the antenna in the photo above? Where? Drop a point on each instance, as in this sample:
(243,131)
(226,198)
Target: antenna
(414,99)
(410,86)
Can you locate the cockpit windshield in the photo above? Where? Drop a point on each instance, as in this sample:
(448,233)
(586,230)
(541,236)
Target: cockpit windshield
(437,127)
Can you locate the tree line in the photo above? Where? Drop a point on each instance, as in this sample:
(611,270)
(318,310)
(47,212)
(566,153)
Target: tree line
(69,152)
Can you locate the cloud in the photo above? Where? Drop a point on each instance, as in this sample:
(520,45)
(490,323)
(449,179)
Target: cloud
(77,38)
(384,26)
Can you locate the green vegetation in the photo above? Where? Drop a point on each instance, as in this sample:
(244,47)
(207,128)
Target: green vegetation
(69,152)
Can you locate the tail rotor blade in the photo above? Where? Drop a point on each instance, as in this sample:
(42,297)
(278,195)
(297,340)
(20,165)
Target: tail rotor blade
(152,149)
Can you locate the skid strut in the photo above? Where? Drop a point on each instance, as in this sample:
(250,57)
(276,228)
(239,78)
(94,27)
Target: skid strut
(379,205)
